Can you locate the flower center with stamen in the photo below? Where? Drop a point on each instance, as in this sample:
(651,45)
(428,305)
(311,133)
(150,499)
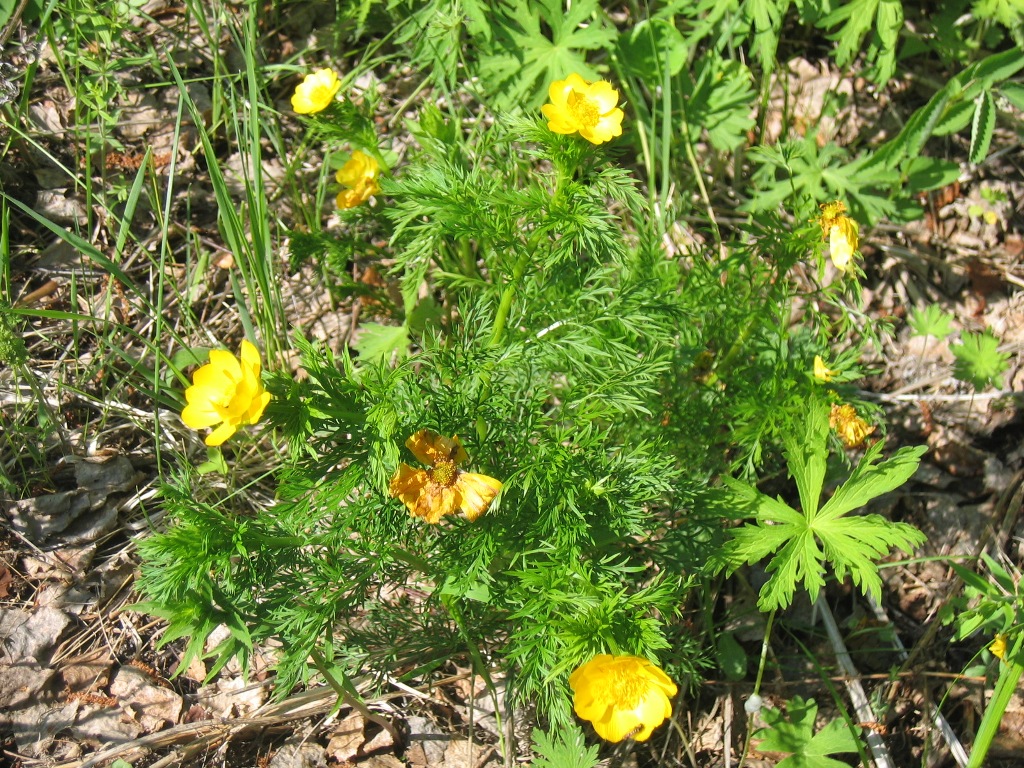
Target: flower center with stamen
(444,473)
(628,689)
(583,109)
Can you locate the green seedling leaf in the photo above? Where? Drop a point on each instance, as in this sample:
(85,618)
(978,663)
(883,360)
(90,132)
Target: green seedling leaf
(982,126)
(731,657)
(931,321)
(979,361)
(792,732)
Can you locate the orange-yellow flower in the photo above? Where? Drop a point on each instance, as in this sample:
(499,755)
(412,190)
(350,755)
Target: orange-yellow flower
(444,489)
(623,696)
(359,175)
(850,427)
(316,92)
(226,391)
(842,233)
(579,105)
(821,371)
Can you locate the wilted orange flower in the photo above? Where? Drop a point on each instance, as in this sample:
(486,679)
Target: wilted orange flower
(359,175)
(226,391)
(444,489)
(579,105)
(623,696)
(850,427)
(316,92)
(842,234)
(821,371)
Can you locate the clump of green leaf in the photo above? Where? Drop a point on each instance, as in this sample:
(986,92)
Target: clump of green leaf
(792,732)
(979,361)
(801,543)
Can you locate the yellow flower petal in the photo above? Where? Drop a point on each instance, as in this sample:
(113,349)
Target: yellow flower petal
(850,427)
(316,92)
(821,371)
(622,696)
(842,243)
(576,105)
(226,391)
(475,493)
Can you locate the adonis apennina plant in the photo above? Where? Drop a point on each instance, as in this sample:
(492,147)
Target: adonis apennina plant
(512,473)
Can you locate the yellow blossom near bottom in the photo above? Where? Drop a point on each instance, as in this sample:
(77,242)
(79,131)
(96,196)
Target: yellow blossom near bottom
(622,696)
(444,489)
(850,427)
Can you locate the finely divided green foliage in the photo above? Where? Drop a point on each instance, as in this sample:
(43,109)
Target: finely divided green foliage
(801,543)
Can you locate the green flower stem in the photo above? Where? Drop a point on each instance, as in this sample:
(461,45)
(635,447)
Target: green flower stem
(508,295)
(1009,675)
(760,676)
(347,693)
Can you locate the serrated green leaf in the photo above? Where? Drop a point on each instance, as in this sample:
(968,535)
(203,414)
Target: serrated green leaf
(869,480)
(649,46)
(958,116)
(982,126)
(806,456)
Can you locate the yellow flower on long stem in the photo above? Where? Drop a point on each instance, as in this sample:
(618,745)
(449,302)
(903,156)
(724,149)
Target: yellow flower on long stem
(316,92)
(226,391)
(623,696)
(850,427)
(821,371)
(842,234)
(444,489)
(359,176)
(589,108)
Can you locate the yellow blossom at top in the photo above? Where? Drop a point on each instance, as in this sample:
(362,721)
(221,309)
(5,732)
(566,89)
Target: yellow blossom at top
(226,391)
(842,233)
(316,92)
(998,646)
(359,176)
(579,105)
(444,489)
(623,696)
(850,427)
(821,371)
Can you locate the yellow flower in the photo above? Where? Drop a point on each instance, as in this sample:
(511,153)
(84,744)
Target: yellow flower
(444,489)
(842,233)
(579,105)
(623,696)
(998,646)
(359,175)
(850,427)
(226,391)
(821,371)
(316,92)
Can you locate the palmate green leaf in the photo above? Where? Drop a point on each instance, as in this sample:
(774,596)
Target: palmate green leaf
(801,545)
(532,60)
(978,359)
(793,732)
